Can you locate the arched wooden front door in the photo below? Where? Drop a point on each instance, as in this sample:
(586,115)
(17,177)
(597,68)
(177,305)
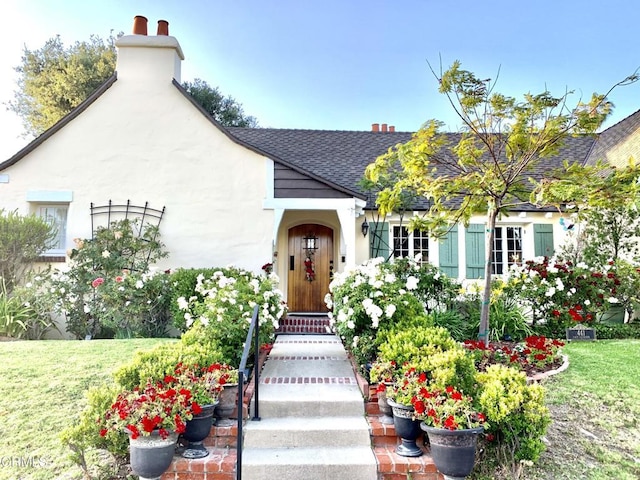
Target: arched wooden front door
(310,264)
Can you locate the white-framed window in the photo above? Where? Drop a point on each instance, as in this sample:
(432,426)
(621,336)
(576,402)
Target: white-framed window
(410,244)
(507,248)
(56,216)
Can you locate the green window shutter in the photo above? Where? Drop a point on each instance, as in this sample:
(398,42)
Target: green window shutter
(543,239)
(448,253)
(379,240)
(474,249)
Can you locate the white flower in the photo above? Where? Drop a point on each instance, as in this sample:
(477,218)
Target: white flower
(183,304)
(139,284)
(390,310)
(106,254)
(412,283)
(559,284)
(389,278)
(86,308)
(28,285)
(550,292)
(587,302)
(351,325)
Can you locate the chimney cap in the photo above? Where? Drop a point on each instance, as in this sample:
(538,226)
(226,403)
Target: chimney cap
(163,27)
(139,25)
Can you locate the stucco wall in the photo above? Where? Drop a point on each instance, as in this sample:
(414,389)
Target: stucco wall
(145,142)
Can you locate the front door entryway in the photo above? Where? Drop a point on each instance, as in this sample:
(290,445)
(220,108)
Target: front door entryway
(310,265)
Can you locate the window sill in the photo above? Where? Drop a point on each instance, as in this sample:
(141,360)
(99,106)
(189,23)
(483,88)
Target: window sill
(51,259)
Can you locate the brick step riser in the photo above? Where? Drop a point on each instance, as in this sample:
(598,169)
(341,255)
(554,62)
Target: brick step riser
(302,325)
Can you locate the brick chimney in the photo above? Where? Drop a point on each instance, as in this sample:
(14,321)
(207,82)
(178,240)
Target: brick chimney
(143,57)
(375,127)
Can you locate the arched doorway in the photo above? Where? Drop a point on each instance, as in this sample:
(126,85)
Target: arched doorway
(310,266)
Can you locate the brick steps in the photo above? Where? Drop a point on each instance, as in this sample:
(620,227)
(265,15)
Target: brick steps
(220,464)
(301,324)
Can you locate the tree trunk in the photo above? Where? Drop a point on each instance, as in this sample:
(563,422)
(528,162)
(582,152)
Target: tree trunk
(483,333)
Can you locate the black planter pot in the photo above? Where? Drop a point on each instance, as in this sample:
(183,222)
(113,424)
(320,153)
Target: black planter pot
(197,429)
(407,429)
(453,451)
(151,456)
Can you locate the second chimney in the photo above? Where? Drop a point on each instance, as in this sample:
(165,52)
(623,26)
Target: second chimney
(384,127)
(163,27)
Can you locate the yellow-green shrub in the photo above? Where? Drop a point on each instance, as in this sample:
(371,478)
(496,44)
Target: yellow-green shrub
(516,413)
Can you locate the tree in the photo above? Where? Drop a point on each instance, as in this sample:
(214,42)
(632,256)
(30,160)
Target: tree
(223,109)
(491,168)
(53,80)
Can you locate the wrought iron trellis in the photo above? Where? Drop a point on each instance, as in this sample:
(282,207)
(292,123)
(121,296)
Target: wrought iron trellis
(115,212)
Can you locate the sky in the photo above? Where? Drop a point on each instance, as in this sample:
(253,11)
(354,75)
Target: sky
(345,64)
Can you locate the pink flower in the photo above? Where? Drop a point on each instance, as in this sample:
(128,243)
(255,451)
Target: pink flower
(119,279)
(97,282)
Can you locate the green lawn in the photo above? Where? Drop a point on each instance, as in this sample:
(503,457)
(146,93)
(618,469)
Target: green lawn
(595,407)
(42,390)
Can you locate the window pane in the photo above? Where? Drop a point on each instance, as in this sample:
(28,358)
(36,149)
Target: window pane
(497,263)
(421,245)
(56,216)
(400,242)
(514,245)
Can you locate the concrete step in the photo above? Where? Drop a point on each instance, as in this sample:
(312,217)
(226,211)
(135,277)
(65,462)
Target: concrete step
(330,463)
(307,432)
(311,399)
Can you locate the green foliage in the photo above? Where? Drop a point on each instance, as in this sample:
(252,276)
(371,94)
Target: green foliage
(516,413)
(369,299)
(183,286)
(155,363)
(53,79)
(608,234)
(109,284)
(22,240)
(14,314)
(433,351)
(223,317)
(224,110)
(456,322)
(83,437)
(620,331)
(493,165)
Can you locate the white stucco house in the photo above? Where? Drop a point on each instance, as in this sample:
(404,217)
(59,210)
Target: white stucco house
(242,196)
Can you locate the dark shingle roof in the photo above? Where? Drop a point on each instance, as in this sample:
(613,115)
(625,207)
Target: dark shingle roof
(341,156)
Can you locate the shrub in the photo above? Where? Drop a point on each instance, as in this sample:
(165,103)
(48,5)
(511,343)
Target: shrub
(230,295)
(516,414)
(433,351)
(32,306)
(22,240)
(14,314)
(84,440)
(456,322)
(183,285)
(371,297)
(109,284)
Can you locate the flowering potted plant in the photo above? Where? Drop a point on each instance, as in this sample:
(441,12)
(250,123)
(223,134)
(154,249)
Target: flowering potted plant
(153,416)
(399,397)
(383,373)
(453,425)
(205,386)
(227,377)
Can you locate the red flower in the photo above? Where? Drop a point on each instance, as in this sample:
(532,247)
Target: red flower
(419,407)
(196,409)
(450,423)
(457,396)
(149,424)
(134,431)
(103,432)
(556,313)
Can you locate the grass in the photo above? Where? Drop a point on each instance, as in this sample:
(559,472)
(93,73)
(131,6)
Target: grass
(595,405)
(42,390)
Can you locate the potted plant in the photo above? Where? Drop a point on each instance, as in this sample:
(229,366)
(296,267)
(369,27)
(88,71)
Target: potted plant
(153,416)
(227,377)
(383,373)
(399,397)
(205,387)
(453,424)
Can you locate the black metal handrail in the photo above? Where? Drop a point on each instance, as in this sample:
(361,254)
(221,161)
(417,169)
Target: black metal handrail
(254,331)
